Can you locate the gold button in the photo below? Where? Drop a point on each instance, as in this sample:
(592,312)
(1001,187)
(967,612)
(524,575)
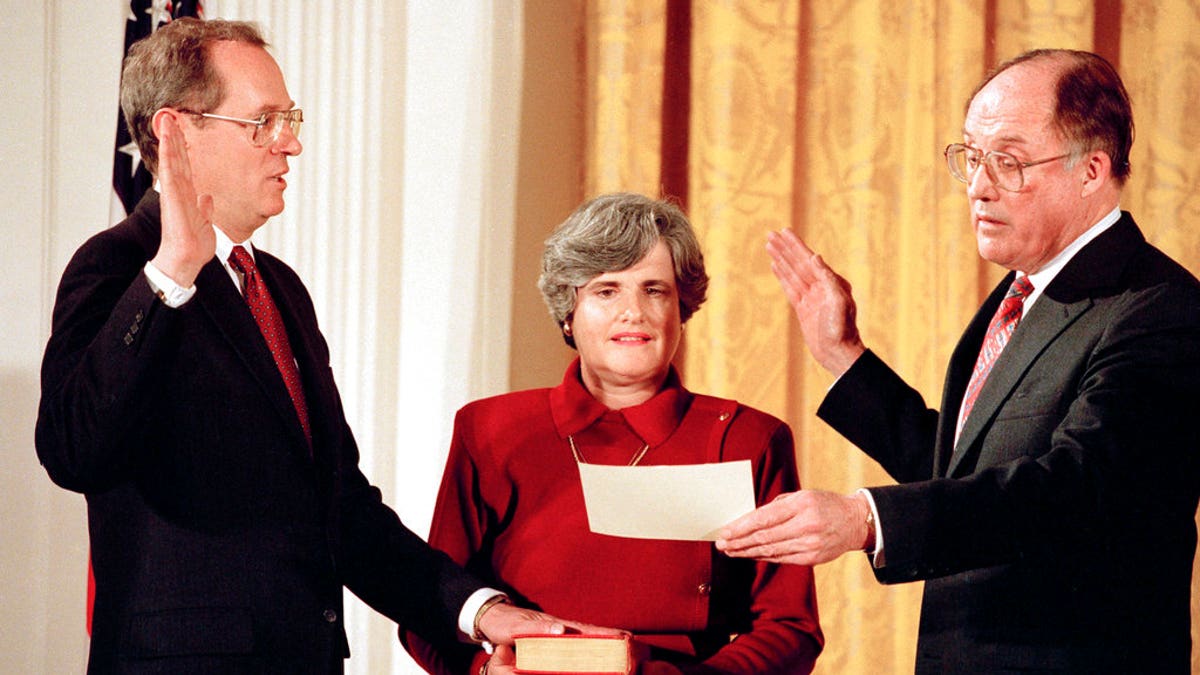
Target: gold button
(724,416)
(704,589)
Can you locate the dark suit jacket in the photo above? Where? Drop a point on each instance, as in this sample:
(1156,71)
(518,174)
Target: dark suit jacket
(219,543)
(1059,535)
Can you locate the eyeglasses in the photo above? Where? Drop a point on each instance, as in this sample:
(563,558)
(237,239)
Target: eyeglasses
(267,127)
(1006,171)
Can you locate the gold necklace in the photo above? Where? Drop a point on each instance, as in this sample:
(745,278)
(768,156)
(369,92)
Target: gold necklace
(637,456)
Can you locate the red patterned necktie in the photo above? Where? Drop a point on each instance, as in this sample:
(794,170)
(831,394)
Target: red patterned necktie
(266,314)
(998,332)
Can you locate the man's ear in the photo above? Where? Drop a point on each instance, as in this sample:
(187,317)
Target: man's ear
(1097,172)
(157,121)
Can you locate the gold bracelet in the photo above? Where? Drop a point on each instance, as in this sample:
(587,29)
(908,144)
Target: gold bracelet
(476,634)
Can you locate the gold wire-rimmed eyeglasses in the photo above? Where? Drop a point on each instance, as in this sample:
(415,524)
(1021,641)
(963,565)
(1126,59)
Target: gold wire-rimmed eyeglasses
(267,126)
(1006,171)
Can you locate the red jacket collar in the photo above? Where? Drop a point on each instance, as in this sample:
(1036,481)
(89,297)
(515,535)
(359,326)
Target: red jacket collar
(574,408)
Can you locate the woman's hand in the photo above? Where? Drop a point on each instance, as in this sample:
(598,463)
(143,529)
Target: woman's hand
(502,662)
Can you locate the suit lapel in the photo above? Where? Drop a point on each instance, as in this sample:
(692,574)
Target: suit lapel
(958,373)
(1047,320)
(228,310)
(1095,269)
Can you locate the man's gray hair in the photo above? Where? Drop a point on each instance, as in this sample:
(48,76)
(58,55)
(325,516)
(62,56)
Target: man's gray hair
(171,69)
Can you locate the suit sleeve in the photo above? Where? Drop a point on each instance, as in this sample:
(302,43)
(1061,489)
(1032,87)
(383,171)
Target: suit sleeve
(111,340)
(460,523)
(380,559)
(394,570)
(881,414)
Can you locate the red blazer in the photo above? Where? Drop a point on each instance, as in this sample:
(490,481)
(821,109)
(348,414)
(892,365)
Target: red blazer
(511,509)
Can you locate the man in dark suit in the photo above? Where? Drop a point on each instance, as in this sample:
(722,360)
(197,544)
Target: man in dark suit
(1050,506)
(226,509)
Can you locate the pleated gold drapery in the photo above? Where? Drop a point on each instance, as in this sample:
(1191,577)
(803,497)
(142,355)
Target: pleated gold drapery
(829,118)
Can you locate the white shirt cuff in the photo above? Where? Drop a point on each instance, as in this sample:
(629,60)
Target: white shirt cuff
(466,618)
(171,293)
(877,558)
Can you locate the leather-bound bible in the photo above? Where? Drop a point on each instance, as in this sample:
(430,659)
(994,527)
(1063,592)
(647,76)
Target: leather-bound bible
(577,653)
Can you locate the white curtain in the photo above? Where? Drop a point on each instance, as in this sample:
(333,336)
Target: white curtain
(400,220)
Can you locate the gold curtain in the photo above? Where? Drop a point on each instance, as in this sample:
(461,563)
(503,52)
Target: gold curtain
(829,117)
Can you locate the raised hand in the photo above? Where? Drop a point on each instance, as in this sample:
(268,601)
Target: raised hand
(806,527)
(821,300)
(188,240)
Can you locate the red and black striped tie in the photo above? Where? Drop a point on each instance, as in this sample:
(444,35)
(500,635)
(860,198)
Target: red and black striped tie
(999,330)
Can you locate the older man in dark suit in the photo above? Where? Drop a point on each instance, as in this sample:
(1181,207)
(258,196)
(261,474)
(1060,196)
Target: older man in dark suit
(187,393)
(1050,506)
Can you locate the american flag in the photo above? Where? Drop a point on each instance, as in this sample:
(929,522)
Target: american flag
(130,178)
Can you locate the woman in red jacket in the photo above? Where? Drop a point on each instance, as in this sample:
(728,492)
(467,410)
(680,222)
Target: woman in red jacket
(621,276)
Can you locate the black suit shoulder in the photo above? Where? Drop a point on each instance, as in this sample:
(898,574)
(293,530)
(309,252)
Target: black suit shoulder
(1119,260)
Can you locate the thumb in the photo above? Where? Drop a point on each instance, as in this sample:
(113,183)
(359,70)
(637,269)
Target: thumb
(204,203)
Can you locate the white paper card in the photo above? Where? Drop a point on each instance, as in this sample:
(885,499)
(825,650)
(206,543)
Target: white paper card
(689,502)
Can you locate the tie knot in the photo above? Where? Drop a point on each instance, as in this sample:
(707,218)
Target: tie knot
(241,261)
(1021,288)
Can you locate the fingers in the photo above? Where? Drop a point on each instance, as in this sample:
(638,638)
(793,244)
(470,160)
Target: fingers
(786,245)
(175,173)
(773,529)
(792,257)
(764,517)
(504,655)
(766,533)
(806,527)
(593,629)
(503,621)
(798,268)
(504,658)
(502,661)
(173,164)
(205,205)
(774,544)
(791,283)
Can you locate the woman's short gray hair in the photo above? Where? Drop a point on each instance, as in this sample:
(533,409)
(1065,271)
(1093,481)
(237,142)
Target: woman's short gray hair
(613,232)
